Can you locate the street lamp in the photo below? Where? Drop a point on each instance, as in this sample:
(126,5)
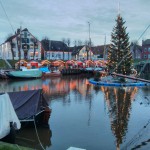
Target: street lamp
(89,39)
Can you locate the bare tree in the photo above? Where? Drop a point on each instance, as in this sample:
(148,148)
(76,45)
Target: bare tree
(19,46)
(35,42)
(9,38)
(68,44)
(75,43)
(64,41)
(45,47)
(79,42)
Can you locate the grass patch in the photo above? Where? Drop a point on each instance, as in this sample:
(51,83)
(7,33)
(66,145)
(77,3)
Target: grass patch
(7,146)
(3,65)
(12,62)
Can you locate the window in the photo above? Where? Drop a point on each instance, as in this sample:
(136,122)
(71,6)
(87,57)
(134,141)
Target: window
(145,49)
(31,46)
(36,54)
(25,46)
(59,56)
(52,54)
(25,40)
(149,49)
(36,46)
(25,34)
(100,56)
(14,53)
(145,56)
(31,54)
(13,45)
(148,55)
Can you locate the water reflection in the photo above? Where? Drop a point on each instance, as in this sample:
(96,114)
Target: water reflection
(27,137)
(20,85)
(75,100)
(119,104)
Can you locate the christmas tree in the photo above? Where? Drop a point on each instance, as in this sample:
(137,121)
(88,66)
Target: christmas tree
(119,55)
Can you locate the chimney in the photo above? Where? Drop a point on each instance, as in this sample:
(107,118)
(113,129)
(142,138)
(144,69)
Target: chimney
(18,30)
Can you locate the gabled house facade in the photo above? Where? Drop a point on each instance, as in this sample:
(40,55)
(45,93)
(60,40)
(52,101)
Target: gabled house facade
(81,53)
(100,52)
(22,45)
(96,52)
(136,51)
(54,50)
(75,52)
(145,49)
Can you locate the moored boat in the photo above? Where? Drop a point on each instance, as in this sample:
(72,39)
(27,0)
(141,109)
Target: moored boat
(50,73)
(25,74)
(3,74)
(31,107)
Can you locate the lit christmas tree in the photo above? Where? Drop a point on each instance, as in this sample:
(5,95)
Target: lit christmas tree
(119,55)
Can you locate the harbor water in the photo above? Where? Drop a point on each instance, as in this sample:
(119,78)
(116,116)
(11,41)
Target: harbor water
(87,116)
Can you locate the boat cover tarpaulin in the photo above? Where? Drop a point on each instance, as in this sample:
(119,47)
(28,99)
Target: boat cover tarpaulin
(44,69)
(28,103)
(7,115)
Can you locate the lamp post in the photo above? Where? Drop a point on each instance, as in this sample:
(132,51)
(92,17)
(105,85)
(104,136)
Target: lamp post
(89,40)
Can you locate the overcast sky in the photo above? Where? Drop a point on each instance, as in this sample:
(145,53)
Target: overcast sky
(59,19)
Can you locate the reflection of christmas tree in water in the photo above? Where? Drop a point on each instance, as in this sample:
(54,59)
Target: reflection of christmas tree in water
(119,105)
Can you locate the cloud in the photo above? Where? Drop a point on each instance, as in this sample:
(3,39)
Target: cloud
(68,19)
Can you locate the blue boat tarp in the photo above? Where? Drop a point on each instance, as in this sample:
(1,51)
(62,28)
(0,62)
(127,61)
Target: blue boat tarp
(44,69)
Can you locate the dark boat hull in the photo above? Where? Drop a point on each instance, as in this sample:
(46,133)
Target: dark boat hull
(40,119)
(15,77)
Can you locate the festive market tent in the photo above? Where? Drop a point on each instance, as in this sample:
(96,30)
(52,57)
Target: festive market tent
(79,63)
(70,62)
(45,62)
(33,64)
(21,62)
(98,63)
(89,63)
(58,63)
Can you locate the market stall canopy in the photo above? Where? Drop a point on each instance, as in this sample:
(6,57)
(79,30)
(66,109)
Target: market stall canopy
(21,62)
(89,63)
(33,64)
(98,63)
(58,63)
(45,62)
(70,62)
(79,63)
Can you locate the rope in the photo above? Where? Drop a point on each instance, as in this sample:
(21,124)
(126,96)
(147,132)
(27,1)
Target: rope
(7,16)
(143,67)
(18,146)
(136,137)
(38,135)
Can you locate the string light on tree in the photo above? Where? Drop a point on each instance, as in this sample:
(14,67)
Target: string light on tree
(120,47)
